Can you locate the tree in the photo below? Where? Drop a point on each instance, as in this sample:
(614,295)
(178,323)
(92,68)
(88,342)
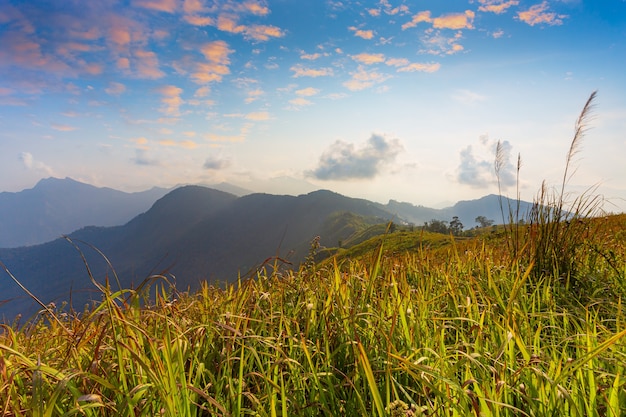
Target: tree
(483,221)
(456,227)
(436,226)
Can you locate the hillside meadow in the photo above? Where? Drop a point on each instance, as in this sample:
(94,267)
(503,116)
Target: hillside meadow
(402,324)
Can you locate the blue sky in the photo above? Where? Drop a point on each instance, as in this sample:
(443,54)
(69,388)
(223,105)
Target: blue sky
(375,99)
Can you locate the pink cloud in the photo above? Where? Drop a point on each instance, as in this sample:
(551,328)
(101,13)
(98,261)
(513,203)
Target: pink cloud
(538,14)
(216,53)
(455,21)
(433,67)
(171,100)
(369,59)
(168,6)
(146,64)
(418,18)
(362,79)
(365,34)
(496,6)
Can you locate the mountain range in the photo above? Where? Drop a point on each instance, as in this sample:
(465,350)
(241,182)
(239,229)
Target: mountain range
(58,206)
(195,233)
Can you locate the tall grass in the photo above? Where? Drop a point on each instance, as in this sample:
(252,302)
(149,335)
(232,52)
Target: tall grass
(554,235)
(447,332)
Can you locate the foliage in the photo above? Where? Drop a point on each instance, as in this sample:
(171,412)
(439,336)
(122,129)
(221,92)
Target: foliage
(448,330)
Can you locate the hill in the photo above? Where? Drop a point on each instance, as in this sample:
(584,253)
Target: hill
(466,211)
(191,234)
(60,206)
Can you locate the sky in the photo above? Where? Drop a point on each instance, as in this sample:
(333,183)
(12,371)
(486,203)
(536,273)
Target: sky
(389,99)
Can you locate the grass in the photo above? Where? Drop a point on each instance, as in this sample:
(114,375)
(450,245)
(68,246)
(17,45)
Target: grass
(402,324)
(446,331)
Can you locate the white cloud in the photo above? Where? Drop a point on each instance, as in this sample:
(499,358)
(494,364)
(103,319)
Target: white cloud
(345,161)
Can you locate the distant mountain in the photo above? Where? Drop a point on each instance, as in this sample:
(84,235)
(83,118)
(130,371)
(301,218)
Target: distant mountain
(467,211)
(60,206)
(193,233)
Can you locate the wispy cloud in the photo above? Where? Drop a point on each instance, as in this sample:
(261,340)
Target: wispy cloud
(31,164)
(307,92)
(115,88)
(217,63)
(369,59)
(168,6)
(185,144)
(301,71)
(539,14)
(468,97)
(229,23)
(258,116)
(364,34)
(346,161)
(455,21)
(254,95)
(171,100)
(420,67)
(63,128)
(363,78)
(299,102)
(496,6)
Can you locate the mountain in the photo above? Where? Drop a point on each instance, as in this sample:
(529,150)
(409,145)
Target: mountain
(59,206)
(191,234)
(195,233)
(466,211)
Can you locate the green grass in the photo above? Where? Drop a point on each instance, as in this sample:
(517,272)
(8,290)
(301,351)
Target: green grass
(452,330)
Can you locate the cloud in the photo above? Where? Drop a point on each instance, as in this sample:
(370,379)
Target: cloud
(202,92)
(369,59)
(7,100)
(115,89)
(365,34)
(468,97)
(417,18)
(313,57)
(31,164)
(228,23)
(186,144)
(456,21)
(344,161)
(214,162)
(168,6)
(438,44)
(63,128)
(476,167)
(496,6)
(171,100)
(146,65)
(301,71)
(416,66)
(308,92)
(258,116)
(538,14)
(299,102)
(362,79)
(217,55)
(142,158)
(253,95)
